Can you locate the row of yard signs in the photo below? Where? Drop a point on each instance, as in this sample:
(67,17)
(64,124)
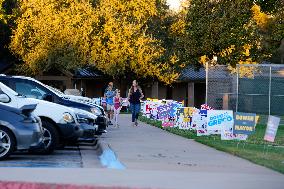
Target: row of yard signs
(207,121)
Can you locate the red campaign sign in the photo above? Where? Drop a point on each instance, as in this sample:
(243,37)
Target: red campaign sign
(168,123)
(148,108)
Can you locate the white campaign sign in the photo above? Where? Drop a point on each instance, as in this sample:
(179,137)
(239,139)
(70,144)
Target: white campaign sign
(219,119)
(199,121)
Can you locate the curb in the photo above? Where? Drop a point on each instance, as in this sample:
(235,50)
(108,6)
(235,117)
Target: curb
(33,185)
(108,157)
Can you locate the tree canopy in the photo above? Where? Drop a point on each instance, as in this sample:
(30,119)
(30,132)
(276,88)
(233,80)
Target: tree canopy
(111,35)
(140,37)
(221,28)
(123,44)
(53,33)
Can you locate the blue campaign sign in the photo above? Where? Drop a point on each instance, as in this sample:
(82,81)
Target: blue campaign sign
(163,111)
(173,109)
(244,123)
(168,110)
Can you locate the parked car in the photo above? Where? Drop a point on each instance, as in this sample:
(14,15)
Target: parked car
(34,89)
(19,130)
(60,123)
(75,92)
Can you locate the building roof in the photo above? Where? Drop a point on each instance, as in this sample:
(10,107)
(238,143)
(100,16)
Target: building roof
(190,73)
(86,73)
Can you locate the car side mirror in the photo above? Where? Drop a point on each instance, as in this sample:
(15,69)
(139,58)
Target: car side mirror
(4,98)
(47,97)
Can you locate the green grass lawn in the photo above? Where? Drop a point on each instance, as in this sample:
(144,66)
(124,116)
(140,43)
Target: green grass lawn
(255,149)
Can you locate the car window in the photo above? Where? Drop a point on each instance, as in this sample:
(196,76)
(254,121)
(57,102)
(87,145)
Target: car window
(29,90)
(5,82)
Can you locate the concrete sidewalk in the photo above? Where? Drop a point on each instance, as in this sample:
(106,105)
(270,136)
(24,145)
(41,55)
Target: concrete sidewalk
(149,148)
(154,158)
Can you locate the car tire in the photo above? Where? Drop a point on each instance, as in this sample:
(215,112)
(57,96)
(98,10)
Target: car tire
(50,138)
(98,133)
(6,138)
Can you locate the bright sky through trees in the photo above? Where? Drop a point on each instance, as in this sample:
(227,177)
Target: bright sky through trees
(174,4)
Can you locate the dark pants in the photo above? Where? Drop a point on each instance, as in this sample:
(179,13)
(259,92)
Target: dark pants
(135,109)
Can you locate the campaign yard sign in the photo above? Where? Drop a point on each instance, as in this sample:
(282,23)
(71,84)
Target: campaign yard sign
(167,114)
(182,120)
(227,133)
(217,119)
(184,117)
(199,121)
(168,122)
(190,113)
(163,111)
(154,110)
(167,110)
(244,123)
(271,129)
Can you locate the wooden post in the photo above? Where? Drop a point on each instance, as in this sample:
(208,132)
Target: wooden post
(190,92)
(225,101)
(155,90)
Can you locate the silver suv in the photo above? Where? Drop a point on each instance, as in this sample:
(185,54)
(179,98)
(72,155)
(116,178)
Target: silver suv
(19,130)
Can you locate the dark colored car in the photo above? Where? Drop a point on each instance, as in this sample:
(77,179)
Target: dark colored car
(19,130)
(18,83)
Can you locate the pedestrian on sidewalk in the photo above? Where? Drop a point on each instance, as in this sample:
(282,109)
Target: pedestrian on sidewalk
(108,95)
(117,107)
(134,96)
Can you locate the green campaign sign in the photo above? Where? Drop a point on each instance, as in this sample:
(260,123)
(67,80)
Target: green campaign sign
(244,123)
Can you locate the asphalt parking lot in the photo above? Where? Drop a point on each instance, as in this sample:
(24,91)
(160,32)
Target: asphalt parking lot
(76,156)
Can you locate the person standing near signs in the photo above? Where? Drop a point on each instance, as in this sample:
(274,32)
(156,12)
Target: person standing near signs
(134,96)
(108,95)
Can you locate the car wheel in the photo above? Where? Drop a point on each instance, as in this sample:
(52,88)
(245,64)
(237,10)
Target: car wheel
(7,143)
(50,137)
(98,133)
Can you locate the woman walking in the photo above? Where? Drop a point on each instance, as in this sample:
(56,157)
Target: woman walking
(117,107)
(134,96)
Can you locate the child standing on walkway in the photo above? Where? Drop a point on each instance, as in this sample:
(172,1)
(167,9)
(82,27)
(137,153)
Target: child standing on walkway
(117,107)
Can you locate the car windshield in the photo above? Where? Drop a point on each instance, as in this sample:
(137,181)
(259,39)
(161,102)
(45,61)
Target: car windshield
(48,87)
(58,92)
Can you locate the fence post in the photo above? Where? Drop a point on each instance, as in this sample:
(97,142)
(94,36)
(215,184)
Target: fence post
(237,100)
(206,95)
(269,92)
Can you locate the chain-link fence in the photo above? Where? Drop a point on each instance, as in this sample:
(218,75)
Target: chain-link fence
(250,88)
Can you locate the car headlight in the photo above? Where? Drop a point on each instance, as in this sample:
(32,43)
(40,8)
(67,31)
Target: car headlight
(96,111)
(68,118)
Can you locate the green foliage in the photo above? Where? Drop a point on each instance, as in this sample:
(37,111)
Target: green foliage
(214,26)
(277,25)
(151,121)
